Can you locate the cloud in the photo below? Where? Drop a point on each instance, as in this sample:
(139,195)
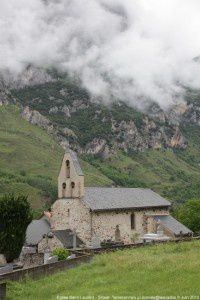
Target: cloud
(134,50)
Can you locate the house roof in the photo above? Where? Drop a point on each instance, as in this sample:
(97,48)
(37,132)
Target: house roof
(97,198)
(172,224)
(75,162)
(66,238)
(36,229)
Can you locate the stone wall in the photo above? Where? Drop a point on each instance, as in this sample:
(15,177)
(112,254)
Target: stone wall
(104,224)
(53,243)
(32,260)
(44,270)
(72,214)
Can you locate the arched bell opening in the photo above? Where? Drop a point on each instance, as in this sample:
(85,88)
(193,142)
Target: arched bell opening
(63,189)
(67,163)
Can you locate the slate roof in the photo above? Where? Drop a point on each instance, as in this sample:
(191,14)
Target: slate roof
(97,198)
(36,229)
(75,162)
(66,238)
(173,225)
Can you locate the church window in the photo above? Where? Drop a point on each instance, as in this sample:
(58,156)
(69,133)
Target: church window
(64,185)
(132,221)
(73,185)
(67,168)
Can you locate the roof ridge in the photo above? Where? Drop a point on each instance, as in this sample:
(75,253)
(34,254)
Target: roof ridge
(111,198)
(120,187)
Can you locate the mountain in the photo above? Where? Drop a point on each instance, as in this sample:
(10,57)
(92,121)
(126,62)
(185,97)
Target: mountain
(123,146)
(30,160)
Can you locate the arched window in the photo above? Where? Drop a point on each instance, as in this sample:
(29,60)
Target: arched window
(64,185)
(67,168)
(132,221)
(73,185)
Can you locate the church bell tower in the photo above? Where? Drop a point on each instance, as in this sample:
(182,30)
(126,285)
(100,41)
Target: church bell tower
(71,177)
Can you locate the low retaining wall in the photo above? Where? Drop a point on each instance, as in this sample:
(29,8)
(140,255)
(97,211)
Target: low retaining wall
(44,270)
(135,245)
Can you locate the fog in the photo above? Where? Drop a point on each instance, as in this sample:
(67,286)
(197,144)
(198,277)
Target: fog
(120,49)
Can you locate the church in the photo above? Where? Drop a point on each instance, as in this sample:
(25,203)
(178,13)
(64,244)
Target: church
(102,214)
(116,214)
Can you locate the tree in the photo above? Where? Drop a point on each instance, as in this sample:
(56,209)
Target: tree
(15,215)
(189,214)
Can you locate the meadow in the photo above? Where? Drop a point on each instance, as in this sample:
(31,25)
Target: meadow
(165,270)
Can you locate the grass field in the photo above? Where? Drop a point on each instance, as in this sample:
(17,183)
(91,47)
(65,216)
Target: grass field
(164,270)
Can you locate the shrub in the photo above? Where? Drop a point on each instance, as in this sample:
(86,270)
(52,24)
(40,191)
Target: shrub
(22,173)
(62,253)
(15,216)
(189,214)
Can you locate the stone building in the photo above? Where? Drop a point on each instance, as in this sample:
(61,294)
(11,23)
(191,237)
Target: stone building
(97,214)
(117,214)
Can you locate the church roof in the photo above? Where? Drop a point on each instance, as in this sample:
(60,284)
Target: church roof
(100,198)
(75,162)
(172,224)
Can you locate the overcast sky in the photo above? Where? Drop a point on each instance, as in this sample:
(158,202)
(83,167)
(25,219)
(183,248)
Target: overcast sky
(128,49)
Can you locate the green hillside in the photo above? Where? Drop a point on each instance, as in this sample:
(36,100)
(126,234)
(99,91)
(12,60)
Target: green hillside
(30,160)
(171,174)
(162,270)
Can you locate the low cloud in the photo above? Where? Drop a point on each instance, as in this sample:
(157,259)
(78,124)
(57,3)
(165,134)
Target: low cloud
(134,50)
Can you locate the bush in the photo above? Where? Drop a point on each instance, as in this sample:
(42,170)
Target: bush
(15,216)
(62,253)
(22,173)
(189,214)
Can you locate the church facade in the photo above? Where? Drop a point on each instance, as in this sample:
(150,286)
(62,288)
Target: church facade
(107,213)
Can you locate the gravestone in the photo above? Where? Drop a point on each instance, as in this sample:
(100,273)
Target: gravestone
(52,259)
(160,231)
(95,242)
(117,234)
(2,260)
(72,256)
(47,255)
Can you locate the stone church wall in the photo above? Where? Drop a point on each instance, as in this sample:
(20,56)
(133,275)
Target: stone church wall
(104,224)
(72,214)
